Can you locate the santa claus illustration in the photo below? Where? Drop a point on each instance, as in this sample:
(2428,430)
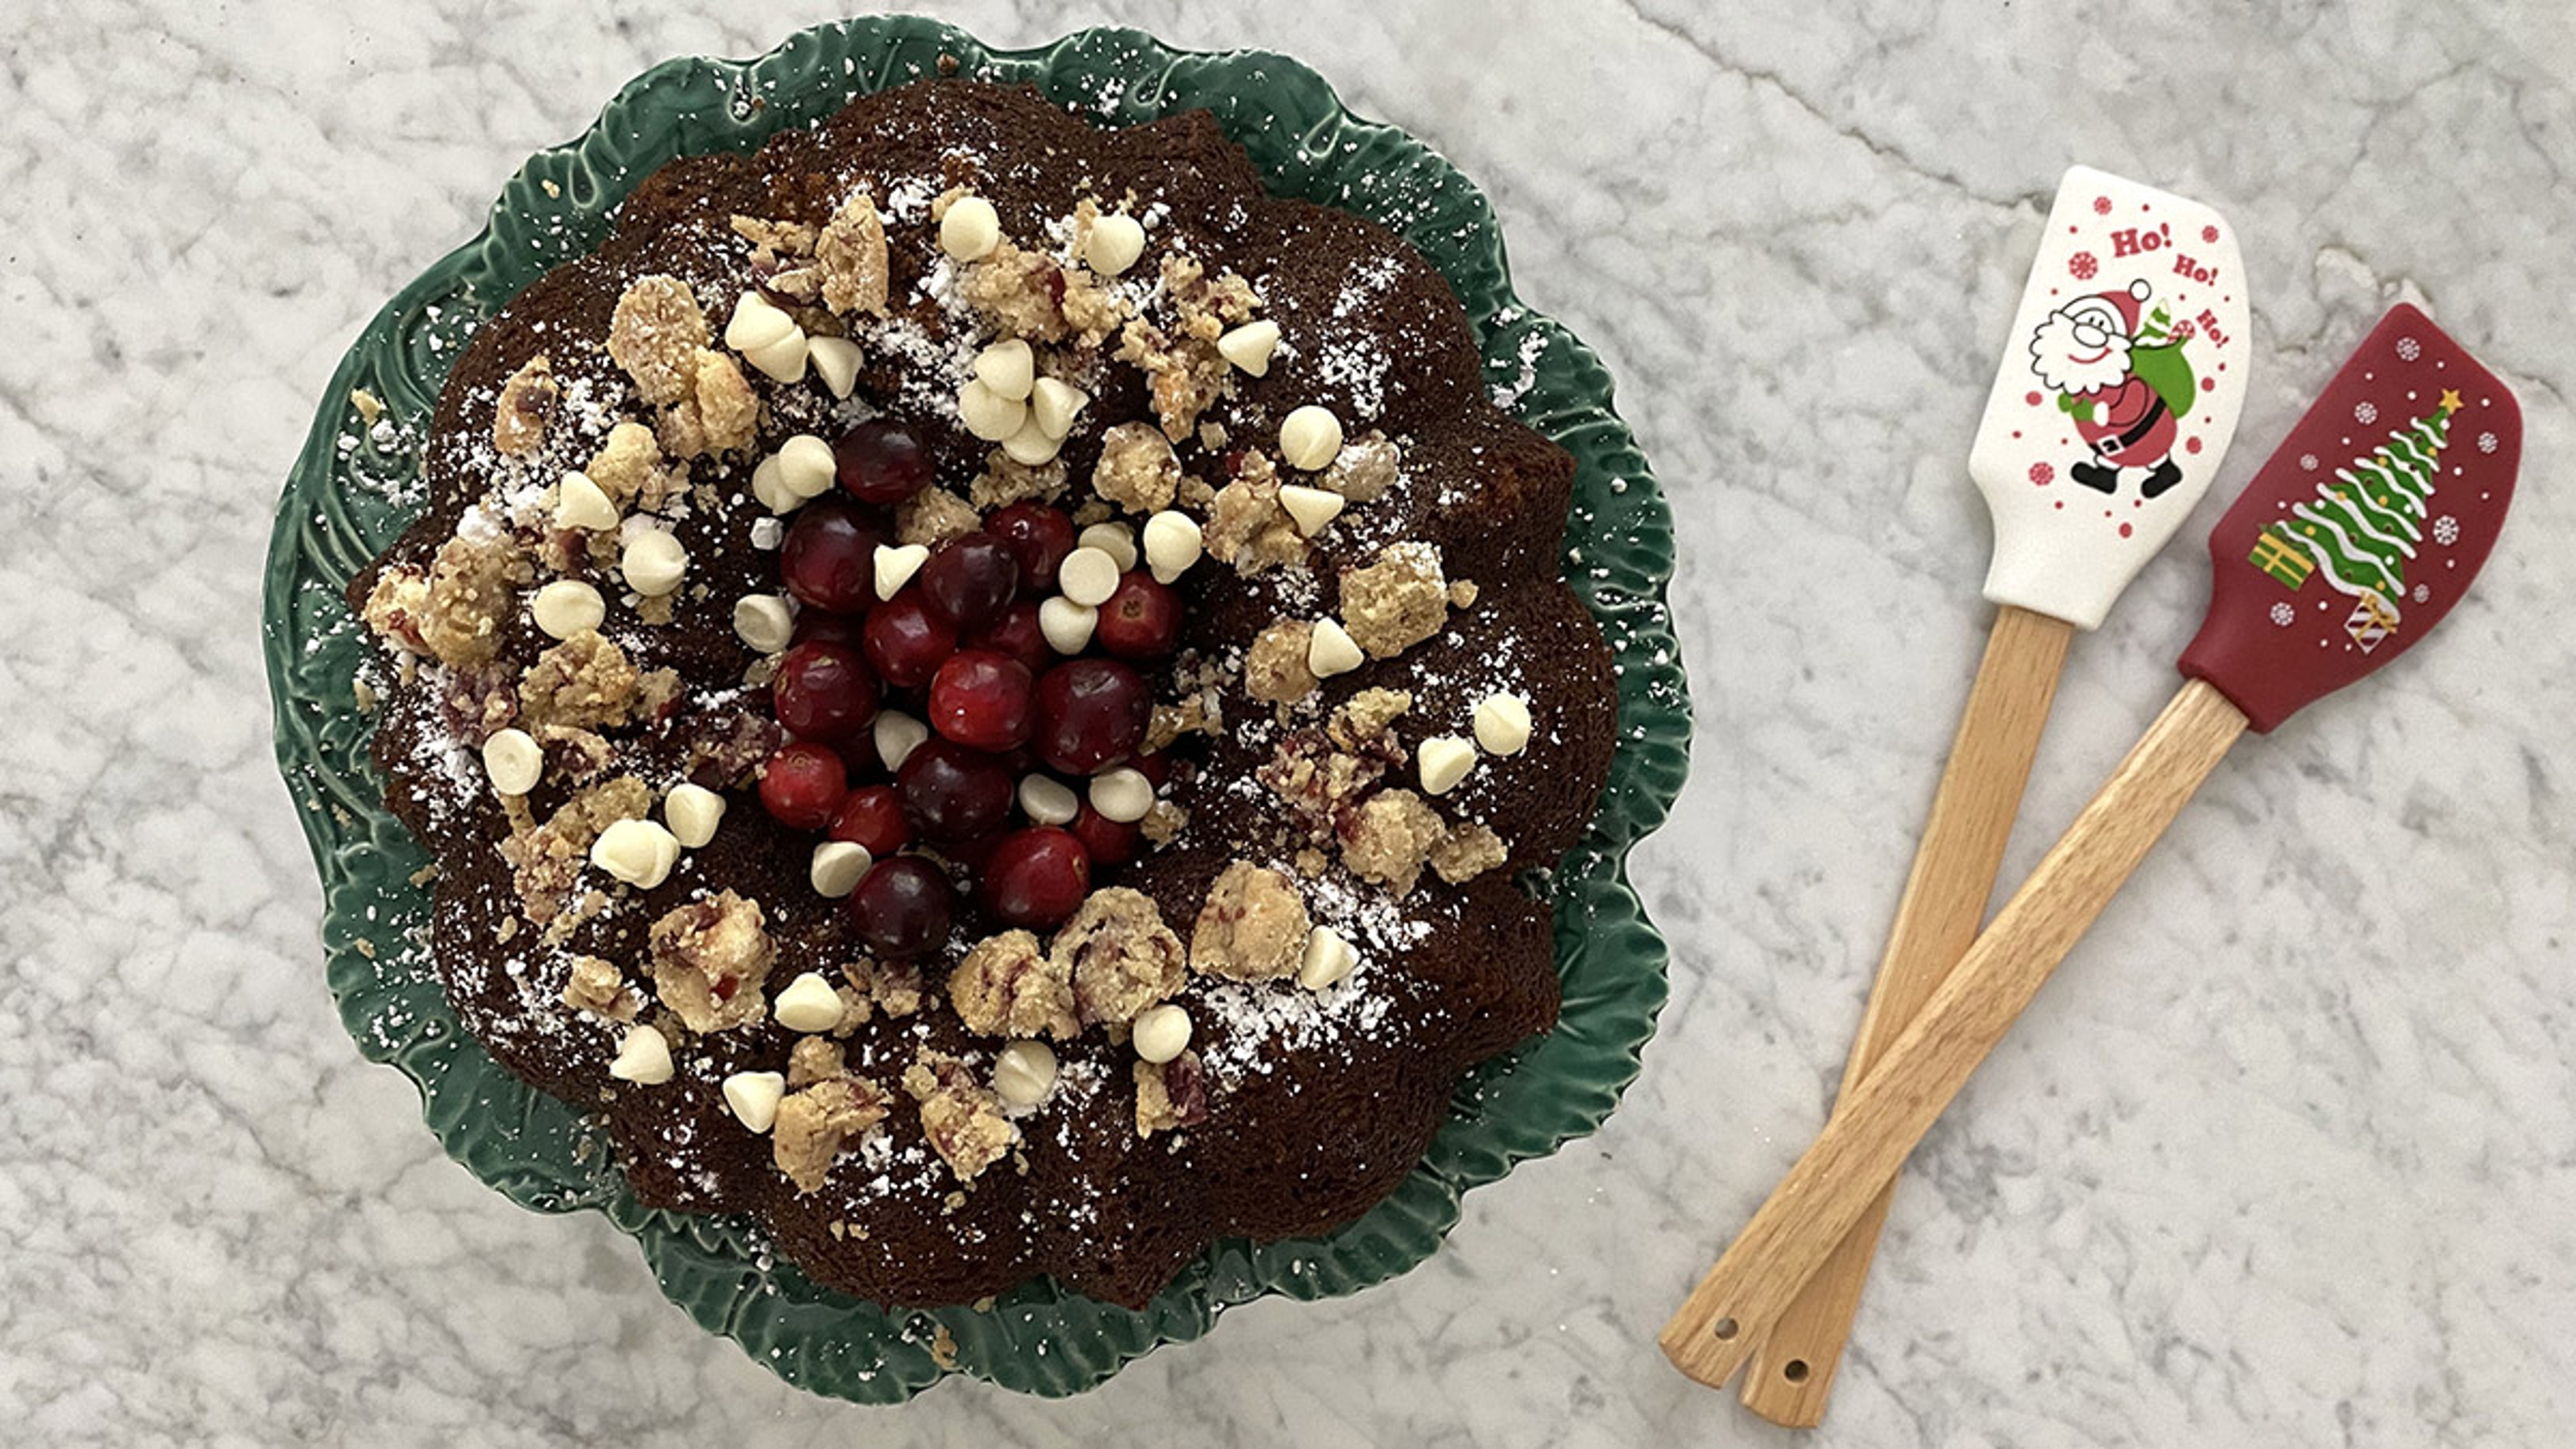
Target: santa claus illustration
(2123,379)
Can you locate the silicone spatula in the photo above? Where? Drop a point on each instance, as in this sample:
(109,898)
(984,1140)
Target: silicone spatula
(2118,394)
(2358,536)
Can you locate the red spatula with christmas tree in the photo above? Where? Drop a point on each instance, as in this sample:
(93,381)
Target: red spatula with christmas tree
(2358,536)
(2118,393)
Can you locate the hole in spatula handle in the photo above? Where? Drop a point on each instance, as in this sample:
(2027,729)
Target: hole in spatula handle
(1724,1329)
(1795,1370)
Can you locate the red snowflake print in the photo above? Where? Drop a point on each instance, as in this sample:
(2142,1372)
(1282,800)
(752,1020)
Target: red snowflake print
(2209,233)
(2101,206)
(2083,265)
(2042,474)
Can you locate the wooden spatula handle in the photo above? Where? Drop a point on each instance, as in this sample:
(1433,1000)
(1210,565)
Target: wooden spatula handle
(1792,1372)
(1879,1122)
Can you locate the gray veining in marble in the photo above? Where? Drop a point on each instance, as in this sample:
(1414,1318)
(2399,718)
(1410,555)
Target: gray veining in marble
(2283,1157)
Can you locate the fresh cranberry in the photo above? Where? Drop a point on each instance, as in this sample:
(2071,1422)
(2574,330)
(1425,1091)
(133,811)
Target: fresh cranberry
(1106,841)
(822,626)
(982,700)
(902,907)
(1156,768)
(882,462)
(954,793)
(1091,712)
(1038,537)
(1017,634)
(970,580)
(906,640)
(872,815)
(830,559)
(1142,620)
(802,786)
(1036,877)
(823,692)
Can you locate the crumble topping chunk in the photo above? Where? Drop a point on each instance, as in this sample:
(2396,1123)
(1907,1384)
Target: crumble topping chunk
(962,1117)
(1122,957)
(583,682)
(852,255)
(1253,927)
(527,401)
(811,1127)
(709,960)
(1008,986)
(1138,470)
(1170,1095)
(1391,838)
(1396,602)
(656,334)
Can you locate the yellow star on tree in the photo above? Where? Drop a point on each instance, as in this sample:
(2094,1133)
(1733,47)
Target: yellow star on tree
(2450,401)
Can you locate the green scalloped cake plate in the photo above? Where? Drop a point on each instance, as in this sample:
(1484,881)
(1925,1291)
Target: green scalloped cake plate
(357,482)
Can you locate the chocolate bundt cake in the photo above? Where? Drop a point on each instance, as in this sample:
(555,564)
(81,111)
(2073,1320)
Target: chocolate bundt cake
(980,690)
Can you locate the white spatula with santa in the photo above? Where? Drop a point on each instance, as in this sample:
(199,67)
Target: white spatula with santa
(2119,391)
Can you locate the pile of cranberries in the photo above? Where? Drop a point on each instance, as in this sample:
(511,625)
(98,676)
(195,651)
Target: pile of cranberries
(959,647)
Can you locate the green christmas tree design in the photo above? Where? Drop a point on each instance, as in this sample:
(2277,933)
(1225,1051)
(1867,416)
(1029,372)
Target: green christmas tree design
(2362,528)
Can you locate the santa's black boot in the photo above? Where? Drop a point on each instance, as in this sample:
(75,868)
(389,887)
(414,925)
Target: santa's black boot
(2096,476)
(2163,476)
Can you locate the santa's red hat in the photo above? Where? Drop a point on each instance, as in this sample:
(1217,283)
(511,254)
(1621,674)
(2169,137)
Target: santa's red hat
(2121,305)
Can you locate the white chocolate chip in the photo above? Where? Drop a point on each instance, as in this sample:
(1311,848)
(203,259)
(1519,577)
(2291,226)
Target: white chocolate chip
(1066,624)
(970,229)
(756,323)
(783,359)
(987,414)
(1328,959)
(897,735)
(566,607)
(1332,650)
(1172,544)
(836,361)
(1310,438)
(1312,508)
(1032,446)
(896,564)
(1053,405)
(1088,576)
(653,562)
(1008,368)
(1503,724)
(1114,539)
(514,761)
(769,485)
(808,1003)
(1123,795)
(693,813)
(762,622)
(1162,1033)
(837,866)
(806,466)
(1444,761)
(1048,801)
(643,1057)
(580,503)
(1250,345)
(637,852)
(754,1098)
(1116,241)
(1024,1073)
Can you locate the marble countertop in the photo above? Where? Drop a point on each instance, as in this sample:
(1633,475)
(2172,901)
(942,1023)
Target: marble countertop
(2282,1157)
